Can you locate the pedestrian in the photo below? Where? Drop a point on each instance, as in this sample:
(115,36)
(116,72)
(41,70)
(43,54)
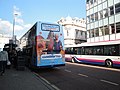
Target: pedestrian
(3,61)
(14,58)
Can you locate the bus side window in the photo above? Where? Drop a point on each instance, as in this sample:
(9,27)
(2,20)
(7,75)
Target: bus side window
(119,50)
(79,51)
(82,51)
(75,51)
(106,50)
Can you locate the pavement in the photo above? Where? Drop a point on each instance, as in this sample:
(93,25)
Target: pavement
(23,80)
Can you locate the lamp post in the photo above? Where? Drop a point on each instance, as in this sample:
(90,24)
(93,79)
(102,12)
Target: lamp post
(13,37)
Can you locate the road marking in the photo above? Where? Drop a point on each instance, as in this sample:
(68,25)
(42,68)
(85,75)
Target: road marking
(57,67)
(67,70)
(109,82)
(46,82)
(82,75)
(92,66)
(55,87)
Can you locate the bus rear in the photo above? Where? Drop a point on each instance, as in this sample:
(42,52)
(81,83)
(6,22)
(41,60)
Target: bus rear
(50,45)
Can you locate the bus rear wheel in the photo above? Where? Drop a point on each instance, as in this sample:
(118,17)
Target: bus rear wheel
(108,63)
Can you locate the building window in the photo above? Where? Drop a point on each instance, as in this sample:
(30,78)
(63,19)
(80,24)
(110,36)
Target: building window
(78,34)
(106,29)
(89,34)
(111,10)
(117,8)
(83,35)
(92,18)
(67,33)
(95,1)
(99,1)
(118,27)
(96,32)
(91,2)
(112,28)
(101,14)
(96,16)
(67,30)
(105,13)
(92,33)
(88,19)
(88,1)
(101,31)
(87,4)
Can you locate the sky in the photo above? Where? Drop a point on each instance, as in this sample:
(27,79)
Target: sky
(30,11)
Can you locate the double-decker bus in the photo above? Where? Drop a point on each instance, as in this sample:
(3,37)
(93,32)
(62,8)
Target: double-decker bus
(102,53)
(43,45)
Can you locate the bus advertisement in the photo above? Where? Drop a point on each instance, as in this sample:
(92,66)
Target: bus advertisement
(105,53)
(43,45)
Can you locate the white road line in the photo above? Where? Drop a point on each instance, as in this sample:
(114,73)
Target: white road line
(109,82)
(46,82)
(57,67)
(67,70)
(92,66)
(55,87)
(82,75)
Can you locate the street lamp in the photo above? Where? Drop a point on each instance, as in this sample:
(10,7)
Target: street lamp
(14,26)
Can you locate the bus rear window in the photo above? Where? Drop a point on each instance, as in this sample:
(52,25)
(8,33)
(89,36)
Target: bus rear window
(50,27)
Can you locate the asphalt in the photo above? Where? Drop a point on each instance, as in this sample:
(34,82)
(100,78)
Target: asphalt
(23,80)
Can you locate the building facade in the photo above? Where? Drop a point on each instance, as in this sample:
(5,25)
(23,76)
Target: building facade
(4,39)
(103,22)
(74,30)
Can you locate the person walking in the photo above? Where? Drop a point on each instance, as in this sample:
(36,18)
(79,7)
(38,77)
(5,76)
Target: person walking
(14,58)
(3,61)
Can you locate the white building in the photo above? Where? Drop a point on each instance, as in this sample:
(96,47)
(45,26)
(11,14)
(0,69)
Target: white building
(74,30)
(4,39)
(103,20)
